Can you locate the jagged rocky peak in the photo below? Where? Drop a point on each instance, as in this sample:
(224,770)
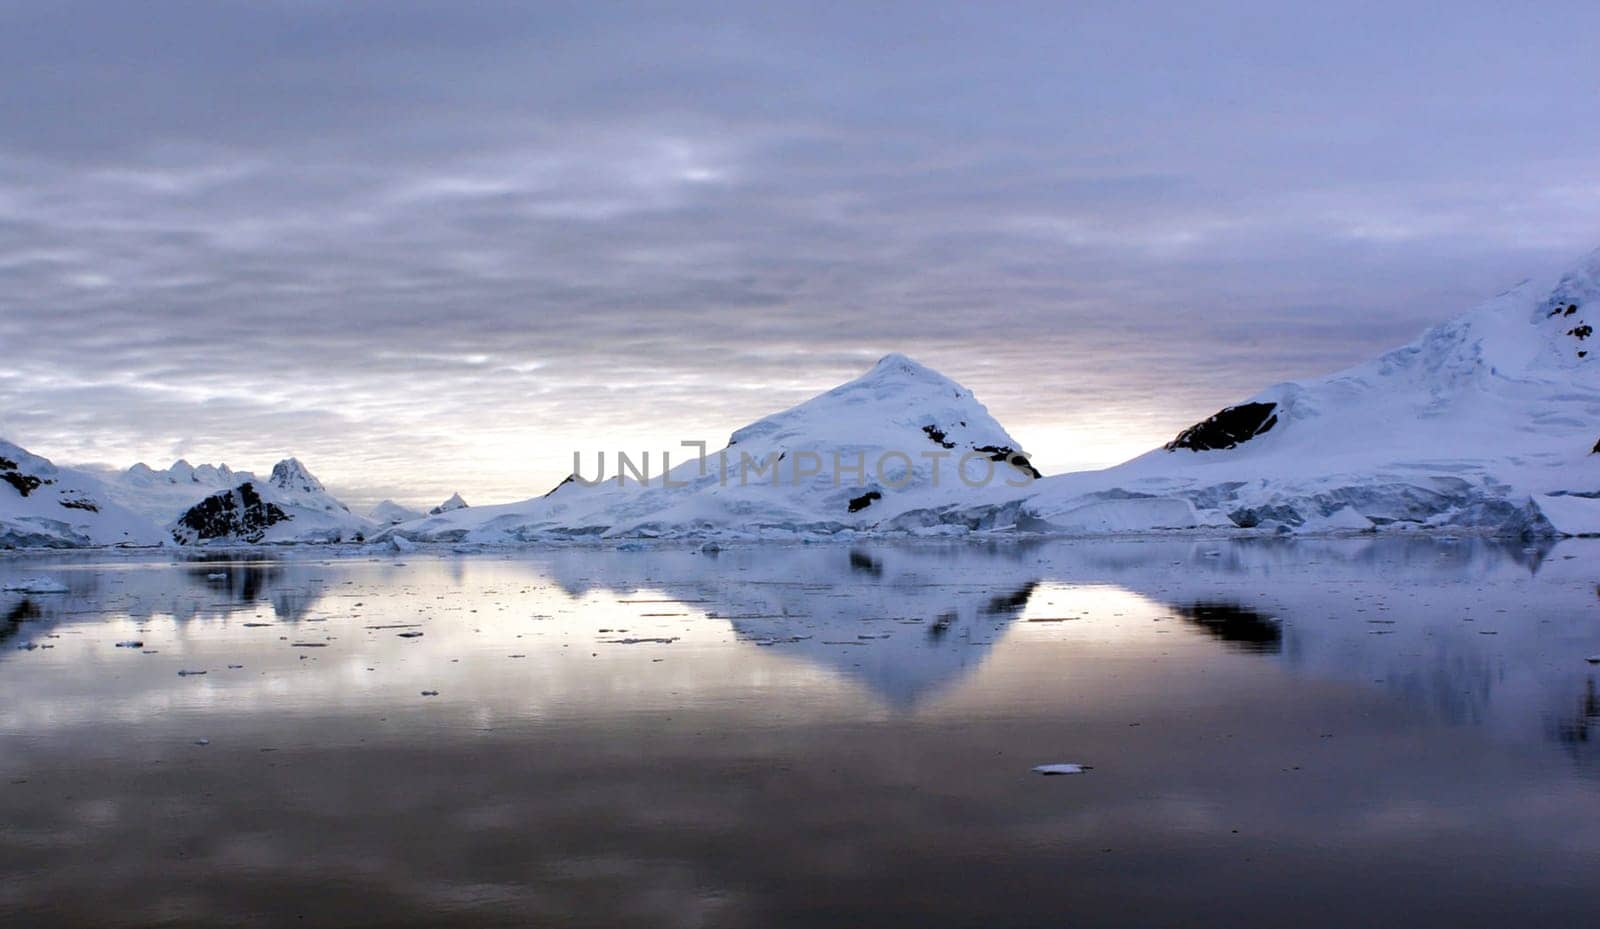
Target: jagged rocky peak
(240,513)
(289,474)
(1227,428)
(454,503)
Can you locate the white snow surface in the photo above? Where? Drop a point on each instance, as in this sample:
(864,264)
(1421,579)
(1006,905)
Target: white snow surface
(389,513)
(46,506)
(454,503)
(163,495)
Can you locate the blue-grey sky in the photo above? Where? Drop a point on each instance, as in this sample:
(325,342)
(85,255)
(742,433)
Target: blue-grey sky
(438,246)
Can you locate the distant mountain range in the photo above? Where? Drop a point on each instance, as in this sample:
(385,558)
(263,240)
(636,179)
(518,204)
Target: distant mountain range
(1488,423)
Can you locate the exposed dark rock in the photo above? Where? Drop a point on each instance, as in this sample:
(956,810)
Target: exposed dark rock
(80,503)
(1010,456)
(24,483)
(240,513)
(13,475)
(1581,332)
(564,482)
(1596,449)
(1235,624)
(860,503)
(937,435)
(1227,428)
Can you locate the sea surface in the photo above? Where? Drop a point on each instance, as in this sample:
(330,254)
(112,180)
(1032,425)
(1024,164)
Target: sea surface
(1383,732)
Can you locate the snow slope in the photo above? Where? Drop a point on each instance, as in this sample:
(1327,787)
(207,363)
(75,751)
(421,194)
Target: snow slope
(899,437)
(1485,423)
(290,506)
(164,495)
(45,506)
(390,513)
(454,503)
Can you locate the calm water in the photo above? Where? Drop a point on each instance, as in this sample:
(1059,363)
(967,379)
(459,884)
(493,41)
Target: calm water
(1350,733)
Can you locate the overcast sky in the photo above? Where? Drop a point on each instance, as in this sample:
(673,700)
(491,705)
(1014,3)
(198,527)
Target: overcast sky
(439,246)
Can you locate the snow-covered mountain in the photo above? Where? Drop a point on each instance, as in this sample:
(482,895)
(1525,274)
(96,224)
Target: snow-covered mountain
(898,438)
(163,495)
(390,513)
(45,506)
(290,506)
(449,506)
(1488,422)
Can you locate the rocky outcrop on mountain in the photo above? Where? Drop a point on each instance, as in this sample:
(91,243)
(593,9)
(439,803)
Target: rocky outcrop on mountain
(290,506)
(239,514)
(1227,428)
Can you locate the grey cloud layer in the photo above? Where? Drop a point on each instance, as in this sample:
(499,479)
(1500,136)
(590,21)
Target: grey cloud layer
(431,245)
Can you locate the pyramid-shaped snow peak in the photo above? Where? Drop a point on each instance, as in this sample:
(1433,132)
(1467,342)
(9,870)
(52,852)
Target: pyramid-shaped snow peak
(454,503)
(290,475)
(899,437)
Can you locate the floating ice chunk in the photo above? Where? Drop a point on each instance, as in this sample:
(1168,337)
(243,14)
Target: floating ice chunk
(35,585)
(1050,769)
(217,576)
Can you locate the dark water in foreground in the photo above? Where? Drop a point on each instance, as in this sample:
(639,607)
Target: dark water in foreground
(1312,734)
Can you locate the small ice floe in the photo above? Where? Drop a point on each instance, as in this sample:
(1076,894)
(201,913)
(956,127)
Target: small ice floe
(1053,769)
(217,576)
(710,548)
(1594,659)
(202,741)
(27,646)
(131,643)
(35,585)
(189,673)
